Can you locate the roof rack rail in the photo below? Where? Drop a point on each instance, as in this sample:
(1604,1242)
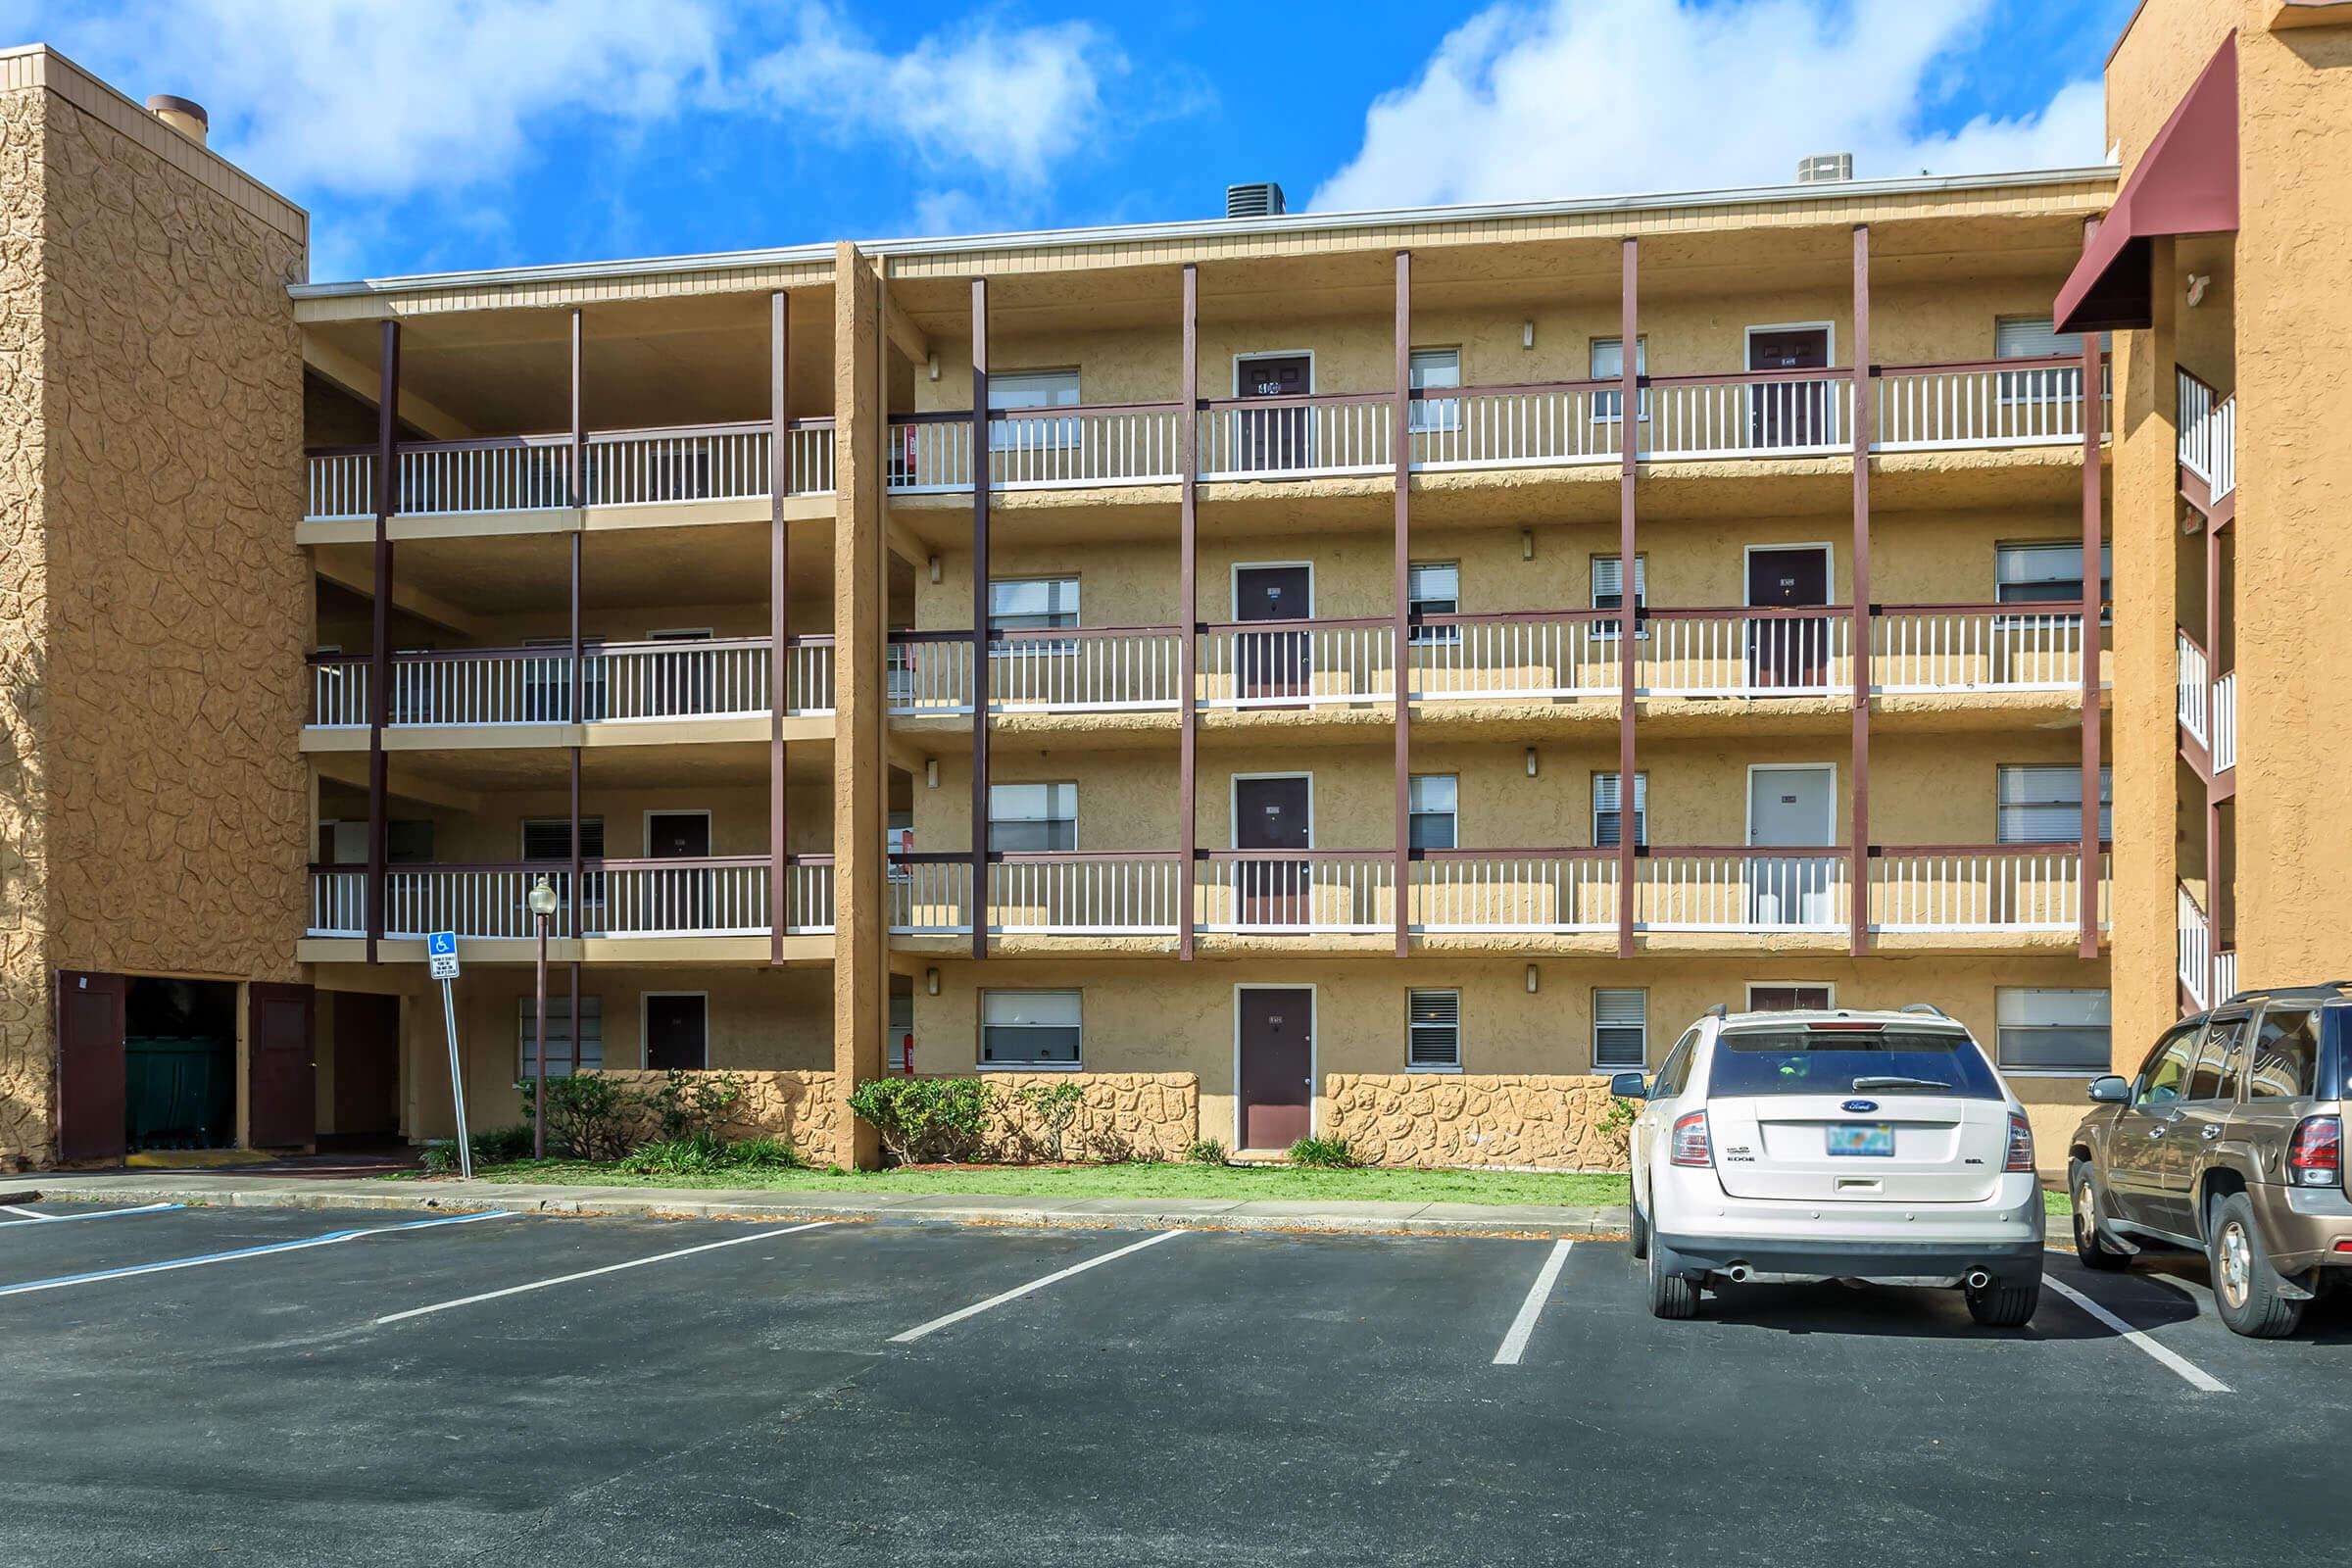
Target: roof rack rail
(1721,1010)
(1927,1007)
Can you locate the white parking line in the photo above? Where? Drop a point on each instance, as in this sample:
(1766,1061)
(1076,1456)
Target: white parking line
(2194,1376)
(592,1273)
(60,1282)
(34,1218)
(1019,1290)
(1514,1344)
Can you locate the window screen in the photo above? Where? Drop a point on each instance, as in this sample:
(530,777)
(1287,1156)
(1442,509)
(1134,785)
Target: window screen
(1032,818)
(1433,370)
(1434,588)
(1620,1030)
(1433,1029)
(2041,1030)
(1029,603)
(1608,364)
(1606,818)
(2048,574)
(1608,589)
(1029,1029)
(1434,818)
(2044,805)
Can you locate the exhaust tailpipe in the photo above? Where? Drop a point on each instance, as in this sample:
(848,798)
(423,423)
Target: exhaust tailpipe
(1736,1273)
(1977,1279)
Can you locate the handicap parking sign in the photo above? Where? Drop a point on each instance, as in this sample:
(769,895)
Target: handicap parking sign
(442,947)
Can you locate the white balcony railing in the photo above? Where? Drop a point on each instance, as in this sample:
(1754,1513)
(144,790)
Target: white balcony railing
(341,484)
(1517,427)
(2225,975)
(1296,438)
(929,674)
(619,682)
(2208,435)
(1742,890)
(1082,894)
(2194,950)
(712,463)
(2007,403)
(1977,648)
(1297,663)
(708,898)
(2225,722)
(1967,891)
(1779,413)
(1090,670)
(1465,657)
(2194,689)
(930,895)
(512,474)
(1552,891)
(1746,654)
(1314,892)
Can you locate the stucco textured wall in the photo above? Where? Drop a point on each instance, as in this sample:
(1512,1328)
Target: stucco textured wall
(153,606)
(1123,1115)
(798,1108)
(1474,1119)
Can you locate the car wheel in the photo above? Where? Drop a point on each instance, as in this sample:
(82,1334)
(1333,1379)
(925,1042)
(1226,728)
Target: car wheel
(1671,1295)
(1638,1224)
(2245,1287)
(2091,1241)
(2004,1306)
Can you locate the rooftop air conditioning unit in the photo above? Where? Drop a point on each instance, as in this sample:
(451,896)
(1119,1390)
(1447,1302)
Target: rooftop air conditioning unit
(1261,200)
(1825,168)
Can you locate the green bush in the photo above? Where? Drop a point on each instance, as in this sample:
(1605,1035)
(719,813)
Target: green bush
(493,1146)
(690,1103)
(926,1120)
(706,1154)
(1206,1151)
(1054,1105)
(589,1116)
(1324,1153)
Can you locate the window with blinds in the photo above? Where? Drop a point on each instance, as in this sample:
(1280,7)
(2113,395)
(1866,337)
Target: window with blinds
(1029,1029)
(1608,589)
(549,838)
(1434,588)
(1608,364)
(2044,805)
(1606,811)
(1620,1030)
(1434,369)
(1433,1030)
(1431,818)
(2053,1030)
(566,1051)
(1032,389)
(2048,574)
(2037,337)
(1032,818)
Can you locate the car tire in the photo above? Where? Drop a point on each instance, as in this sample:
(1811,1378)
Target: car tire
(1672,1296)
(2004,1304)
(2091,1245)
(2246,1290)
(1638,1225)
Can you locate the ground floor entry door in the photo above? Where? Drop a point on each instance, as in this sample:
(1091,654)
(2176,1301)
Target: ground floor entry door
(676,1031)
(1278,1065)
(91,1027)
(281,1110)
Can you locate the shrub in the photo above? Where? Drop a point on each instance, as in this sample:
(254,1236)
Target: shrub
(493,1146)
(589,1116)
(1206,1151)
(1054,1105)
(690,1103)
(1324,1153)
(924,1120)
(705,1154)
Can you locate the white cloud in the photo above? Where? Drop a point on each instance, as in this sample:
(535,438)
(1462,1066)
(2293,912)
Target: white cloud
(1526,100)
(1007,102)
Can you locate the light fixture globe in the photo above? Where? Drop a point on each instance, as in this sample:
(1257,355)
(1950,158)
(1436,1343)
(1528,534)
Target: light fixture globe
(543,899)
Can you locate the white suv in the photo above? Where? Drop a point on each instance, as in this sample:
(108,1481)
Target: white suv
(1811,1145)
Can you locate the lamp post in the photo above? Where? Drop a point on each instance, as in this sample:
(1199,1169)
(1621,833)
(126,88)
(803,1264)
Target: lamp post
(543,907)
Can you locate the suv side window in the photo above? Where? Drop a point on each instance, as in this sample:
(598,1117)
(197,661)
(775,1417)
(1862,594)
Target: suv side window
(2287,1056)
(1676,1071)
(2161,1082)
(2206,1080)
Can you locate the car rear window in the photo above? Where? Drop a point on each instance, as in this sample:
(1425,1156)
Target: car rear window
(1800,1061)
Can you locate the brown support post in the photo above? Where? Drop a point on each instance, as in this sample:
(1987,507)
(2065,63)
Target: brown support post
(2213,795)
(859,623)
(981,468)
(579,670)
(1629,410)
(779,621)
(572,902)
(379,659)
(1864,423)
(579,421)
(2093,428)
(574,1001)
(1401,441)
(1187,606)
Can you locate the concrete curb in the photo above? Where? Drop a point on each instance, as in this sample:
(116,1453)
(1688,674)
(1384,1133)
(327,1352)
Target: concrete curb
(1373,1219)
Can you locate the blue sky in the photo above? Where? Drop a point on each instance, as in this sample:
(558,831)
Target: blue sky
(437,135)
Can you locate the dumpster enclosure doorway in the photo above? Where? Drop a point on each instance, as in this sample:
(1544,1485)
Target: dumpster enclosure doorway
(179,1064)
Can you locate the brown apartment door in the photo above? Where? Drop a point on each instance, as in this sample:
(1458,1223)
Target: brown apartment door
(1789,414)
(1271,813)
(678,1031)
(1278,1065)
(1787,653)
(1275,438)
(1272,664)
(282,1079)
(678,900)
(91,1024)
(366,1056)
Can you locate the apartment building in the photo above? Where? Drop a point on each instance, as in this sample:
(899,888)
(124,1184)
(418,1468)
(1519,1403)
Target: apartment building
(1208,659)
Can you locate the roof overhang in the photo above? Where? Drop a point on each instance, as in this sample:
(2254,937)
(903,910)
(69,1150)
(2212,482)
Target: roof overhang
(2186,183)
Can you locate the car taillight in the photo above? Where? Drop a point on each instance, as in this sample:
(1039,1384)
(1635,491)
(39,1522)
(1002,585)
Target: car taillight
(2021,1144)
(2316,1158)
(1691,1140)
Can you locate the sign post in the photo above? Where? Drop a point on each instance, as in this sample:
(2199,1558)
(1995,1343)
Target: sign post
(441,947)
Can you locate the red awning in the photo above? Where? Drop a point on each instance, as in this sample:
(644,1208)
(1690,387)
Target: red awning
(2186,183)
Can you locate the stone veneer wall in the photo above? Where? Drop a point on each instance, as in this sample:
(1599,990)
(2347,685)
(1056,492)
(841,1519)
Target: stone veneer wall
(1124,1116)
(1475,1120)
(796,1106)
(154,606)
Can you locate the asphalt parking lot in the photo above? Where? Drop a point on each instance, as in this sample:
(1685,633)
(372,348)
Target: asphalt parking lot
(305,1386)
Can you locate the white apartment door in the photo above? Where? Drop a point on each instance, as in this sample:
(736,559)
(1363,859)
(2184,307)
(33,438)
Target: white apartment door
(1792,808)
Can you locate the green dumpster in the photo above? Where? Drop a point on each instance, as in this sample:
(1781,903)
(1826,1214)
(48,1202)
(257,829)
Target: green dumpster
(177,1093)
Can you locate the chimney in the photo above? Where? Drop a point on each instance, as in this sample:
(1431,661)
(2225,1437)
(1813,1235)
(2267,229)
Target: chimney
(1825,168)
(1261,200)
(183,115)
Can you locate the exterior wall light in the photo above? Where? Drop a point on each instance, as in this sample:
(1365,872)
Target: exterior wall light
(1527,334)
(1527,544)
(1530,979)
(931,982)
(931,772)
(1530,761)
(934,566)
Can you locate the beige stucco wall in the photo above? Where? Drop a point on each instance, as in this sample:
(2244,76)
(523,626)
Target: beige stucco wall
(153,606)
(1543,1119)
(800,1107)
(1121,1115)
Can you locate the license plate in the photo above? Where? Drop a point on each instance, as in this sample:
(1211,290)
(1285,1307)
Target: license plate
(1862,1140)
